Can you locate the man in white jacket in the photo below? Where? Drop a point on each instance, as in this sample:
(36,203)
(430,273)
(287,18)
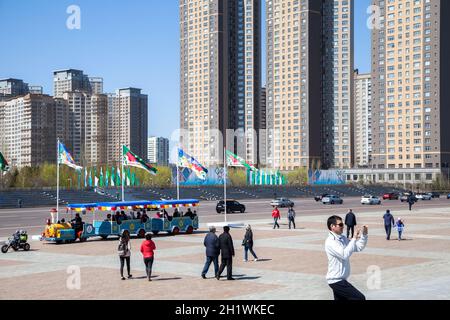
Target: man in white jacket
(339,250)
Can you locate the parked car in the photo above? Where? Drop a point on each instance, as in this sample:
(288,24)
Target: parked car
(423,196)
(232,206)
(282,203)
(319,198)
(370,200)
(390,196)
(434,194)
(332,199)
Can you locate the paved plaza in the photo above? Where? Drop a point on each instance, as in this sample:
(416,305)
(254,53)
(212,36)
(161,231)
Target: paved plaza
(293,264)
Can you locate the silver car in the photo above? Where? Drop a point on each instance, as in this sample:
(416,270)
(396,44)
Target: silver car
(282,203)
(332,199)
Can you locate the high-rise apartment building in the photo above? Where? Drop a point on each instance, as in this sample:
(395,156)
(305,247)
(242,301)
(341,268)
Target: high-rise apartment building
(338,66)
(70,80)
(158,150)
(127,123)
(28,129)
(410,65)
(220,78)
(96,84)
(294,80)
(363,119)
(13,87)
(87,127)
(309,83)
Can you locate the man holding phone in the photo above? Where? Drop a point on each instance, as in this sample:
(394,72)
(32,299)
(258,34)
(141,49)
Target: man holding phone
(339,249)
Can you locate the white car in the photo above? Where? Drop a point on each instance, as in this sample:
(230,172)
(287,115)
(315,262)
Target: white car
(423,196)
(370,200)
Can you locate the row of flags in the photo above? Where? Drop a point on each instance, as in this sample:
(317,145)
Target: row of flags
(110,177)
(130,159)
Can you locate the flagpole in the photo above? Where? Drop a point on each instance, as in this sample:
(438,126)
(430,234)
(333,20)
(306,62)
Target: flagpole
(178,182)
(57,183)
(123,190)
(225,182)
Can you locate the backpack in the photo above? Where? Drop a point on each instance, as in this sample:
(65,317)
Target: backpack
(122,248)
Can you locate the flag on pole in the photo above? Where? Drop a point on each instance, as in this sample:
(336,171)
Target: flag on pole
(186,161)
(90,178)
(101,182)
(113,177)
(3,164)
(236,161)
(85,177)
(64,157)
(132,160)
(107,175)
(118,178)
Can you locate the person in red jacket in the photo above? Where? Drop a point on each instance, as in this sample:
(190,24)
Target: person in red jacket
(276,215)
(147,249)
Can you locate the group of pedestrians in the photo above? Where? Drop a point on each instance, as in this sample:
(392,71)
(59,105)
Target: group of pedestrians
(277,216)
(124,251)
(223,246)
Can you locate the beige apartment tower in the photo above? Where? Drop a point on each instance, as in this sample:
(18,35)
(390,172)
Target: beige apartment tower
(294,76)
(127,123)
(363,119)
(220,78)
(410,74)
(28,129)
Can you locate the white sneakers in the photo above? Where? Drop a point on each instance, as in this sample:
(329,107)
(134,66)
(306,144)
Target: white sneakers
(255,259)
(245,260)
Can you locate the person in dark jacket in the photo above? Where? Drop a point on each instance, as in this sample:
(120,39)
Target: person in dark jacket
(411,201)
(388,223)
(248,243)
(350,222)
(227,253)
(211,243)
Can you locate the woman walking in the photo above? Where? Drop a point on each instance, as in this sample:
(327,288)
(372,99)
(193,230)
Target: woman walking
(124,251)
(248,244)
(276,216)
(147,249)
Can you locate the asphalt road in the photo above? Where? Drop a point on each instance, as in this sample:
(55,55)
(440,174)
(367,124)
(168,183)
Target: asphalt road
(33,219)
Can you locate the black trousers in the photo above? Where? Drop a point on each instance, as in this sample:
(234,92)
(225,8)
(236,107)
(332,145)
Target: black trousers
(122,261)
(291,220)
(352,229)
(148,266)
(228,262)
(388,229)
(345,291)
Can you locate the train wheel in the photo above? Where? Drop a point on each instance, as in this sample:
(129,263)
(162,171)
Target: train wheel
(190,230)
(83,239)
(141,233)
(175,231)
(155,232)
(104,237)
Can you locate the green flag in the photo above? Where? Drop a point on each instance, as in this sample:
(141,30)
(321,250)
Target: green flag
(3,164)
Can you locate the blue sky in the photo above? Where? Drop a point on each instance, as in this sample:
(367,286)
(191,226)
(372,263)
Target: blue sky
(130,44)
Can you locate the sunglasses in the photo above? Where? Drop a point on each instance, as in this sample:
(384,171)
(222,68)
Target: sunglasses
(340,225)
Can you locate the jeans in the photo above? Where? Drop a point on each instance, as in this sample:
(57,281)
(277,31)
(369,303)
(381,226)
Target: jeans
(400,235)
(122,261)
(275,223)
(214,260)
(246,248)
(345,291)
(148,266)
